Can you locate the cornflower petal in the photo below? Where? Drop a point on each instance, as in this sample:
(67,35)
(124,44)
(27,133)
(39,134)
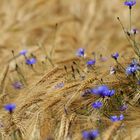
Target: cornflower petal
(23,52)
(10,107)
(97,104)
(90,135)
(115,55)
(31,61)
(80,52)
(130,3)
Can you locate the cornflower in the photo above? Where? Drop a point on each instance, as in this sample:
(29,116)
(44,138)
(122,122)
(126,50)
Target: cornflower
(116,118)
(80,52)
(97,104)
(115,55)
(103,91)
(31,61)
(90,135)
(10,107)
(91,62)
(23,52)
(130,3)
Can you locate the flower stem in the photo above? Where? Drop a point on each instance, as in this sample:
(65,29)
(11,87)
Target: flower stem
(130,16)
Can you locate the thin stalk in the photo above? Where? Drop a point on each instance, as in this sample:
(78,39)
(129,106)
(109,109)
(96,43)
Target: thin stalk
(128,38)
(124,30)
(46,56)
(130,12)
(54,44)
(50,61)
(21,76)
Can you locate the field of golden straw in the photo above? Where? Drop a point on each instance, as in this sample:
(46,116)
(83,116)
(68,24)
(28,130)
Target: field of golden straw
(48,90)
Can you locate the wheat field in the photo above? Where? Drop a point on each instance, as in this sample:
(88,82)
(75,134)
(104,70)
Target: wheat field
(50,106)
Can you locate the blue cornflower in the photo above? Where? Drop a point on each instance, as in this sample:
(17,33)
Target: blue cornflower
(80,52)
(90,135)
(31,61)
(103,91)
(10,107)
(121,117)
(110,93)
(123,107)
(23,52)
(131,69)
(97,104)
(91,62)
(100,90)
(17,85)
(114,118)
(115,55)
(130,3)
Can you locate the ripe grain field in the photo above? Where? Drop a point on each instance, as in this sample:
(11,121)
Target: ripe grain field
(52,95)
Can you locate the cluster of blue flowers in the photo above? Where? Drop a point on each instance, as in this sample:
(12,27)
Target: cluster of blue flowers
(103,91)
(29,61)
(132,68)
(81,53)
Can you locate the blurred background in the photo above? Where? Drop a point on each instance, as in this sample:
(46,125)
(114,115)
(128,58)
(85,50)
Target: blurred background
(67,24)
